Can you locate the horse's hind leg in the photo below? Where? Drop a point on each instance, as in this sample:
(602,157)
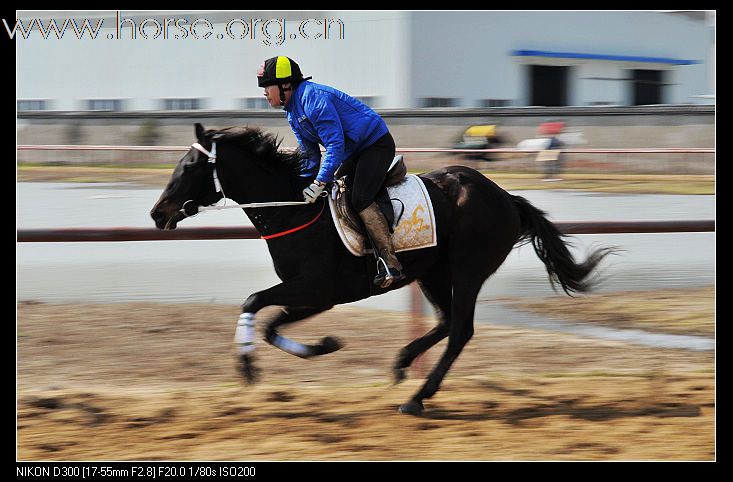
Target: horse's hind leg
(460,331)
(437,288)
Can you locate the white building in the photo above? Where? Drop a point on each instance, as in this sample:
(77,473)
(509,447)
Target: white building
(139,61)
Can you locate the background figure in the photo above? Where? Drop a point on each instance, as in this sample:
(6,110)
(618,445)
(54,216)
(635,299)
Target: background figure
(480,137)
(551,155)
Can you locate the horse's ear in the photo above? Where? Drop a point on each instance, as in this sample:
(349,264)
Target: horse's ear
(199,132)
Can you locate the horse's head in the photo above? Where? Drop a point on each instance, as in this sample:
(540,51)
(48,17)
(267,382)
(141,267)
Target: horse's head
(192,180)
(250,167)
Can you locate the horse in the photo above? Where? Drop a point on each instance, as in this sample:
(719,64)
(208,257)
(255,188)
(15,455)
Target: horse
(478,225)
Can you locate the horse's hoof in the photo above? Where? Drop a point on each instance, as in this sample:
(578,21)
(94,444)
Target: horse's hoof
(412,408)
(328,345)
(398,375)
(248,369)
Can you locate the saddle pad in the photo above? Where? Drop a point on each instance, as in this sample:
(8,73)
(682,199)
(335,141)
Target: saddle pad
(416,228)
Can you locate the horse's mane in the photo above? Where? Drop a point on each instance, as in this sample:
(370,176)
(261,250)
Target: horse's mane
(266,147)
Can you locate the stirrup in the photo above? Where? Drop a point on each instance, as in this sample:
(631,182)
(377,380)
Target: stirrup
(385,277)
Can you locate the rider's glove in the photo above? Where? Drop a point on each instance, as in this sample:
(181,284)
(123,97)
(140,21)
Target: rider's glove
(312,192)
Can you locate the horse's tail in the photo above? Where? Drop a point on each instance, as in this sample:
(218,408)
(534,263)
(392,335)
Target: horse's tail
(553,251)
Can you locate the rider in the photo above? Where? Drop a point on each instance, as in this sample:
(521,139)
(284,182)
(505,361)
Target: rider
(347,128)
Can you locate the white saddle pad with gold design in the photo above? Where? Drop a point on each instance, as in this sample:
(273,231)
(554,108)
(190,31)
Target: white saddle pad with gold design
(416,228)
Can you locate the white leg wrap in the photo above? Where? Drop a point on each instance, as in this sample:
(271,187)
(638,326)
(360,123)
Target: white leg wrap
(244,337)
(290,346)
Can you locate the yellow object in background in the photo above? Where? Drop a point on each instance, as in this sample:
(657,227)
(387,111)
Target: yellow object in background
(481,131)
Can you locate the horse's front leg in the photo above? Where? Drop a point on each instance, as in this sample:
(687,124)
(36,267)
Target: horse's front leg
(303,298)
(290,315)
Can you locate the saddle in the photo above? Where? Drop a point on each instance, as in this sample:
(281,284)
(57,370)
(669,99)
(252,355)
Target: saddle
(345,211)
(403,199)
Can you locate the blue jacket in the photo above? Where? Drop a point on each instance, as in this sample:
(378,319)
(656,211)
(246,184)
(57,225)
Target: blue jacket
(319,114)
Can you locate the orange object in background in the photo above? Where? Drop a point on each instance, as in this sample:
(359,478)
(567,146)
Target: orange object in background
(551,128)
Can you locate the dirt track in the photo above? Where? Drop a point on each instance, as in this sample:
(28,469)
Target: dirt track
(152,382)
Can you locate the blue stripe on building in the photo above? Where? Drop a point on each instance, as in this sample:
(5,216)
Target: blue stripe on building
(615,58)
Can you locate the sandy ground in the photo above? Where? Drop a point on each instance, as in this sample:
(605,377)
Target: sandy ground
(157,382)
(689,311)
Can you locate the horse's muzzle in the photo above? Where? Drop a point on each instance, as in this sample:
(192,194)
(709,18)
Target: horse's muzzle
(164,221)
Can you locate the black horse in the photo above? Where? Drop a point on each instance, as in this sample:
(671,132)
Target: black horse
(478,224)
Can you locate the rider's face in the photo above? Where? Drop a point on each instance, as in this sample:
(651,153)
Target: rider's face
(272,94)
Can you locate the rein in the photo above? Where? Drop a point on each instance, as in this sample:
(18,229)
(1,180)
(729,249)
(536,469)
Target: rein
(295,230)
(192,209)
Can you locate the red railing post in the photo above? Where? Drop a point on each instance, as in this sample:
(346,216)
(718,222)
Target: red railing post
(417,327)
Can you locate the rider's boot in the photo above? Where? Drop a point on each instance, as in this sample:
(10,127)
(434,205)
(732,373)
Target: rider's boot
(389,268)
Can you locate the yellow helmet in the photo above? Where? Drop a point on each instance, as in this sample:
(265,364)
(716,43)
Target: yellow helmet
(279,70)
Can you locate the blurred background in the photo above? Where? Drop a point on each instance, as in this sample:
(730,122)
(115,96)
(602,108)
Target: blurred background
(623,79)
